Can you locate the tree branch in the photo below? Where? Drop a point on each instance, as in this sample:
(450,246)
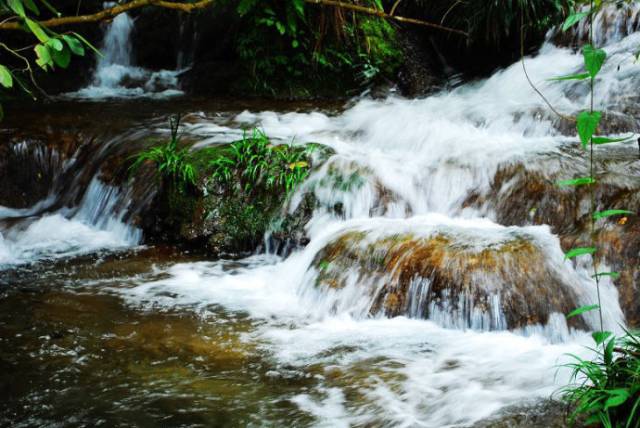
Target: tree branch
(382,14)
(201,4)
(113,12)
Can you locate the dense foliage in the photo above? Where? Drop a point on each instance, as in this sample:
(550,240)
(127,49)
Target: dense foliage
(290,43)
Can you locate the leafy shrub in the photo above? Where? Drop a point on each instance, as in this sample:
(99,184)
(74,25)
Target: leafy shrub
(495,21)
(256,163)
(606,390)
(171,163)
(255,178)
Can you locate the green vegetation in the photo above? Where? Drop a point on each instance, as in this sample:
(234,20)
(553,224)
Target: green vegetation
(289,46)
(605,390)
(51,49)
(256,164)
(256,177)
(171,163)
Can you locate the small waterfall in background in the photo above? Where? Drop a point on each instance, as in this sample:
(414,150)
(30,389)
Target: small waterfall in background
(116,76)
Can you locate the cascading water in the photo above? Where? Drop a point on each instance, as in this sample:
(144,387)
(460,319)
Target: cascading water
(411,166)
(96,225)
(403,308)
(78,214)
(116,76)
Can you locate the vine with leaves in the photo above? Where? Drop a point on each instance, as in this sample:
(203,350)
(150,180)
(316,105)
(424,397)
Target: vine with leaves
(605,390)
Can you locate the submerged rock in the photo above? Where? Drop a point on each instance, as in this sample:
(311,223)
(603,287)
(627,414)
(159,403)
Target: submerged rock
(456,276)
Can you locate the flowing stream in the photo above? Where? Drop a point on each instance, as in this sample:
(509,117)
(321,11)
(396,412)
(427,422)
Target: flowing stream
(97,329)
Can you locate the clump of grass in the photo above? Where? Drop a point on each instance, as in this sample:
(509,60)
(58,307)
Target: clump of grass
(605,391)
(255,163)
(171,162)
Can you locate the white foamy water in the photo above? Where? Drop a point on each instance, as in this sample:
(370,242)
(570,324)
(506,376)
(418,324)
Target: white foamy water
(396,372)
(400,166)
(117,77)
(96,225)
(396,163)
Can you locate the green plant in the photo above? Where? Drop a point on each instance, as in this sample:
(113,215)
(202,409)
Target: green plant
(606,389)
(171,163)
(256,163)
(51,49)
(287,45)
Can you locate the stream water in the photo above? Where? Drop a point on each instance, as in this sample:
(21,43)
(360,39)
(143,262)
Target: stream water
(96,329)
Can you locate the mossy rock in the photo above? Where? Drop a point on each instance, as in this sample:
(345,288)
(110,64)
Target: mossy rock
(504,285)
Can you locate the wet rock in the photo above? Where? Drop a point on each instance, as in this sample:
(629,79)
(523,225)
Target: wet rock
(451,276)
(613,22)
(289,231)
(527,194)
(543,414)
(419,74)
(227,218)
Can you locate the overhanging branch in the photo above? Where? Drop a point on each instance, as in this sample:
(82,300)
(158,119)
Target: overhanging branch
(112,12)
(201,4)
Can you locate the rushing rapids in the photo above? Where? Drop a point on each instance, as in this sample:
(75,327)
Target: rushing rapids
(411,305)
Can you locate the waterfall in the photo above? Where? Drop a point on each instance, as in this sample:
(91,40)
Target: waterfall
(419,165)
(116,76)
(97,224)
(78,214)
(414,303)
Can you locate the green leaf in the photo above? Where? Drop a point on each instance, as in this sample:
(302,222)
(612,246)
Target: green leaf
(587,125)
(74,44)
(579,251)
(61,58)
(573,19)
(44,59)
(579,76)
(6,78)
(581,181)
(581,310)
(600,336)
(244,6)
(607,140)
(608,213)
(37,30)
(299,5)
(608,351)
(593,59)
(55,44)
(17,7)
(616,398)
(613,275)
